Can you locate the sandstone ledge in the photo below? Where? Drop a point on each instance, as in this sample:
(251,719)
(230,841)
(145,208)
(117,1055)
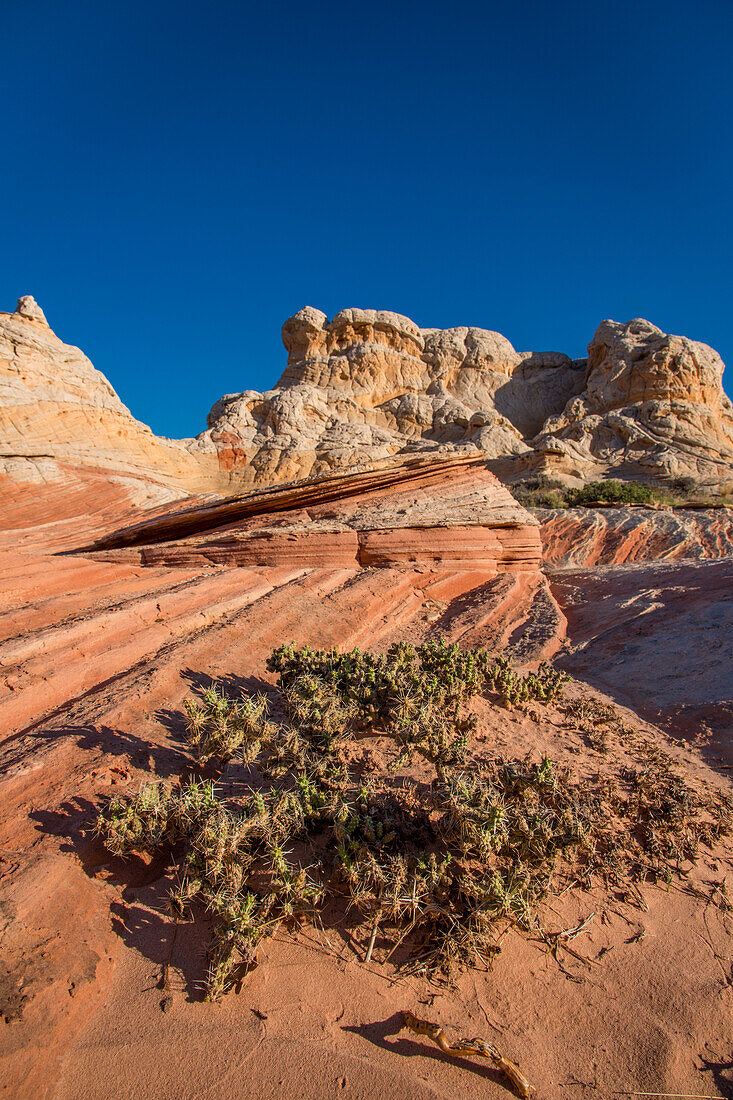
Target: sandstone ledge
(429,512)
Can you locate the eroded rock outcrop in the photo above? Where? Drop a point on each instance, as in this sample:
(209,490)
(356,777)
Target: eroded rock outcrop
(420,512)
(652,405)
(60,417)
(370,385)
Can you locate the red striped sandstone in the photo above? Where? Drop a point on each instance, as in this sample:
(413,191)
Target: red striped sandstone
(595,536)
(97,658)
(449,513)
(73,622)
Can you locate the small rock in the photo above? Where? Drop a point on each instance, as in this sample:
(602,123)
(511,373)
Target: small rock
(28,307)
(166,1004)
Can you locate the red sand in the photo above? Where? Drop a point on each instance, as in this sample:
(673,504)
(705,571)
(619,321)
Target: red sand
(97,657)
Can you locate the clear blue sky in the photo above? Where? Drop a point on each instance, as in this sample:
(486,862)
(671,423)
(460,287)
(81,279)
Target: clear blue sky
(178,177)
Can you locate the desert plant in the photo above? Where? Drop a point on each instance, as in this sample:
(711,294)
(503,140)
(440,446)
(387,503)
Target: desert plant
(219,726)
(442,864)
(539,492)
(543,686)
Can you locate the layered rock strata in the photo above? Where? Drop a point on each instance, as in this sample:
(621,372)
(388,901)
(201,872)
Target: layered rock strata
(399,536)
(610,536)
(652,405)
(98,654)
(447,513)
(60,418)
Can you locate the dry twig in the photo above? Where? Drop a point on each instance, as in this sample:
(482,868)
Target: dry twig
(469,1046)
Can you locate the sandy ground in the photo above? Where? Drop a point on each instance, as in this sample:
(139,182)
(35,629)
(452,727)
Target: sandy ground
(85,938)
(659,637)
(650,1010)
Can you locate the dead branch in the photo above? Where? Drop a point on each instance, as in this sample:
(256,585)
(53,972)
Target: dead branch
(469,1046)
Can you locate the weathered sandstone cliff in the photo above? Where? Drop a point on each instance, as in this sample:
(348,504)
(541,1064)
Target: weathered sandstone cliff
(60,418)
(370,385)
(652,405)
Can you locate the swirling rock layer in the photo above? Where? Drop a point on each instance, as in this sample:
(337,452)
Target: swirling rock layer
(447,513)
(97,654)
(388,539)
(595,536)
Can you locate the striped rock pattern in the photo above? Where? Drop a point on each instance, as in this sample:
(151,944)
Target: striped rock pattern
(603,536)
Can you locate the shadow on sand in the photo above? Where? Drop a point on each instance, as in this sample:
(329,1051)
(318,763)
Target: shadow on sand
(378,1033)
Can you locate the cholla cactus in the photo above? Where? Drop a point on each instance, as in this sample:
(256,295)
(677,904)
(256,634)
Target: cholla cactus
(544,686)
(443,863)
(137,824)
(219,726)
(319,713)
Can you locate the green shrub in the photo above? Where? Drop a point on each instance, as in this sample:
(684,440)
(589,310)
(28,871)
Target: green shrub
(539,492)
(544,492)
(219,727)
(441,862)
(612,492)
